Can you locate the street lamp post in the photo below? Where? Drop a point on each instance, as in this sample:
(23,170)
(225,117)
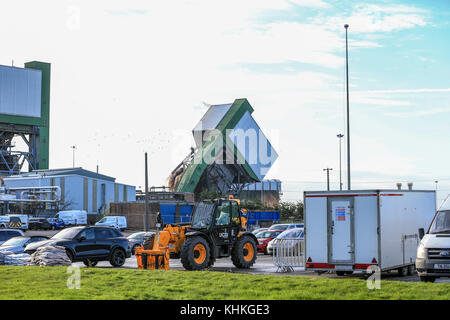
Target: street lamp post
(435,193)
(147,213)
(340,136)
(348,111)
(73,155)
(328,177)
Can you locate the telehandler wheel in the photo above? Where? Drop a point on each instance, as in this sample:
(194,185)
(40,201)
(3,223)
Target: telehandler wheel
(195,253)
(244,252)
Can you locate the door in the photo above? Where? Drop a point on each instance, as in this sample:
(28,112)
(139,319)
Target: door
(223,220)
(85,247)
(340,231)
(104,238)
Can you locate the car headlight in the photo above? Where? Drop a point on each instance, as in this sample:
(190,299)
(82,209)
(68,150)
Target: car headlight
(421,251)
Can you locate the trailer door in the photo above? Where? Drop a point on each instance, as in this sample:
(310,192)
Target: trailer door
(340,231)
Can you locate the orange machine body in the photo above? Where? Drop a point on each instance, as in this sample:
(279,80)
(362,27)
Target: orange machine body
(169,240)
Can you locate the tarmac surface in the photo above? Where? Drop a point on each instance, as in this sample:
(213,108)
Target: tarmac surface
(263,265)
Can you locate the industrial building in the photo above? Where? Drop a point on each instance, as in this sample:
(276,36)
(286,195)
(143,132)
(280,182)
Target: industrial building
(24,115)
(80,189)
(30,186)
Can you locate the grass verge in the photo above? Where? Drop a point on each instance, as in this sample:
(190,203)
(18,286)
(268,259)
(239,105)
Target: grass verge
(50,283)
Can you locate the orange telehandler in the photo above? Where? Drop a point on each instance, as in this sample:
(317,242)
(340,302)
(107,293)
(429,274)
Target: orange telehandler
(218,228)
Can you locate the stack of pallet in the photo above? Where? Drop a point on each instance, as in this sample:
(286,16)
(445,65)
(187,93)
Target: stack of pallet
(50,256)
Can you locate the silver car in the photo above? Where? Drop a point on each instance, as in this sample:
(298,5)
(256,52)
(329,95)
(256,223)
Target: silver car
(137,239)
(6,234)
(16,245)
(296,233)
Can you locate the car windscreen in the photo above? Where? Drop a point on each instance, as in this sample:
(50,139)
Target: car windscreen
(202,216)
(441,222)
(264,234)
(139,235)
(291,234)
(16,241)
(279,227)
(67,233)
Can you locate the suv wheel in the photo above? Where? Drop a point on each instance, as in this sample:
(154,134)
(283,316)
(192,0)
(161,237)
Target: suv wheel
(70,255)
(117,258)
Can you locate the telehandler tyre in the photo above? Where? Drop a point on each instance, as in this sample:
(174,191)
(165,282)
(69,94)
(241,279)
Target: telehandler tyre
(244,252)
(195,253)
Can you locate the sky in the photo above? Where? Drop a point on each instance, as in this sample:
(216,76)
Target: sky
(130,77)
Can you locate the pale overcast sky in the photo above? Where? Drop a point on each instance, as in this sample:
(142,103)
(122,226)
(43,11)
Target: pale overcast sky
(135,76)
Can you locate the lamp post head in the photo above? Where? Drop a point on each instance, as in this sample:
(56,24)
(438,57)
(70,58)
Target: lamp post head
(346,26)
(340,135)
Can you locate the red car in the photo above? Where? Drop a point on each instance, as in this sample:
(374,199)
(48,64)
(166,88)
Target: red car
(264,237)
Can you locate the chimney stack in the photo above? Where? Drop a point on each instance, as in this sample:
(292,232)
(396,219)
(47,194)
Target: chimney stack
(410,184)
(399,186)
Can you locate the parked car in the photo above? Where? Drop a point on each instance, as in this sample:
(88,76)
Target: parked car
(286,226)
(89,245)
(259,230)
(119,222)
(4,222)
(264,237)
(137,239)
(17,245)
(433,252)
(296,234)
(6,234)
(56,223)
(38,224)
(73,217)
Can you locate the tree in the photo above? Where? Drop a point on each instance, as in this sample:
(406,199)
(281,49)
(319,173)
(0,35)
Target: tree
(291,210)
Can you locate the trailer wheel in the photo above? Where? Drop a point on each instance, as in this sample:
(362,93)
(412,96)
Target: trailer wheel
(244,252)
(411,270)
(402,271)
(195,253)
(340,273)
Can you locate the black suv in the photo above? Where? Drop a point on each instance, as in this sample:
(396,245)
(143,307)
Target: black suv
(38,224)
(89,244)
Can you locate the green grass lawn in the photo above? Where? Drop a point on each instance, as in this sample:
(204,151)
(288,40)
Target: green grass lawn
(97,283)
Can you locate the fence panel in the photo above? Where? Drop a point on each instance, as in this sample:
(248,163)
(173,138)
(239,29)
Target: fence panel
(288,254)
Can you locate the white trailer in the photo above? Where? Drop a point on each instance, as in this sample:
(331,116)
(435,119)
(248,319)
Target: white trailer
(347,231)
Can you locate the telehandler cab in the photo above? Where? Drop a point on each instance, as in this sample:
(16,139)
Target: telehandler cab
(217,229)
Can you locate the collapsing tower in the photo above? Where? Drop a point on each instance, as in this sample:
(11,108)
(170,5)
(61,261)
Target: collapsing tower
(24,113)
(231,150)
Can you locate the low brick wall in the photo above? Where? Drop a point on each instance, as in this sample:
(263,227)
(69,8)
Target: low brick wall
(135,213)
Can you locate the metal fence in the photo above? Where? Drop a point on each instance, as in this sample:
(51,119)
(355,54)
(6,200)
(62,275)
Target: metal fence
(288,254)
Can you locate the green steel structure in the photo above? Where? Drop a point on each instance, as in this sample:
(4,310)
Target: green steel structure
(34,130)
(208,166)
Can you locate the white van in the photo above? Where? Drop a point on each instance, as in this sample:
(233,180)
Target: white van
(119,222)
(18,221)
(4,222)
(73,217)
(433,252)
